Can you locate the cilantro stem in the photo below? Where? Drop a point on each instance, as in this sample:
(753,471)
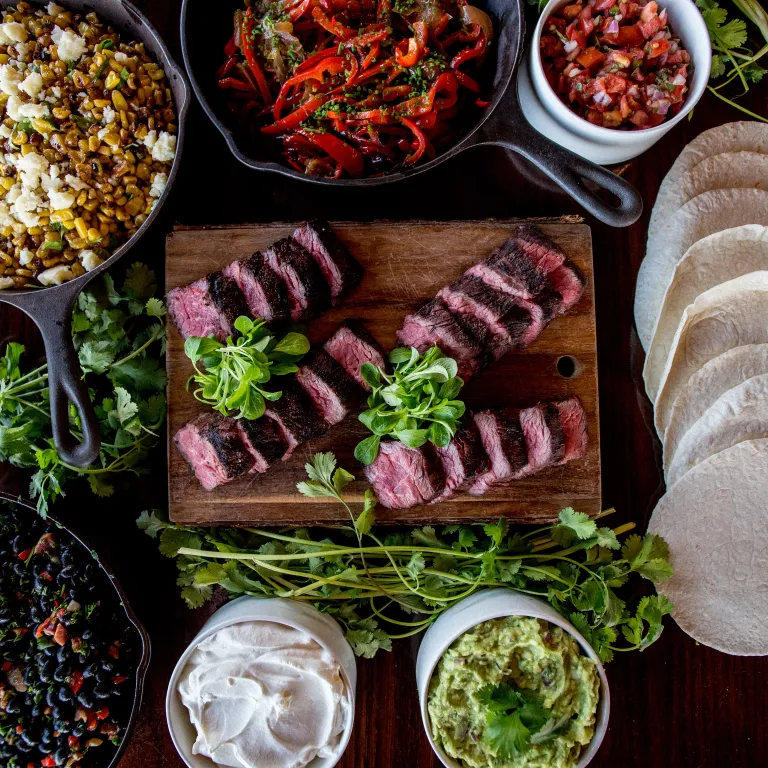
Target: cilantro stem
(136,352)
(737,106)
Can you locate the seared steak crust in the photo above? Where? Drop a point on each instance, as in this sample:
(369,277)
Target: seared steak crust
(227,298)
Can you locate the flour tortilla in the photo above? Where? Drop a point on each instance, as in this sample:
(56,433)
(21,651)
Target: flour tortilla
(715,521)
(738,415)
(705,387)
(708,262)
(726,316)
(704,215)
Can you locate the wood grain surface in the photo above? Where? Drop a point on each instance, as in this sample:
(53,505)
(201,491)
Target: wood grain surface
(677,704)
(405,265)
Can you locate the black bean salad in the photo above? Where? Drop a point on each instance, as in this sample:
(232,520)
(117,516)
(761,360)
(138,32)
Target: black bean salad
(68,653)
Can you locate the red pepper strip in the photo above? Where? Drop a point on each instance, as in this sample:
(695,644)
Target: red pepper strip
(384,11)
(439,27)
(331,65)
(236,85)
(395,92)
(354,68)
(25,554)
(48,762)
(416,46)
(420,138)
(368,38)
(467,81)
(250,57)
(76,681)
(296,13)
(377,70)
(345,155)
(230,49)
(315,58)
(225,68)
(482,103)
(295,118)
(475,52)
(336,28)
(427,121)
(371,56)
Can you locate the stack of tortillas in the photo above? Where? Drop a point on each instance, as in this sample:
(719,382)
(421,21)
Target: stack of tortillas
(701,310)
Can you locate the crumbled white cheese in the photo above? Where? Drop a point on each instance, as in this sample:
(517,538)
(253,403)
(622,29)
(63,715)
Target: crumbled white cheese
(158,184)
(165,149)
(61,200)
(4,39)
(109,115)
(13,193)
(55,171)
(25,257)
(33,84)
(121,58)
(5,131)
(22,49)
(90,260)
(33,110)
(150,139)
(77,184)
(12,108)
(56,275)
(5,282)
(70,46)
(51,183)
(25,207)
(10,79)
(56,91)
(15,31)
(31,167)
(54,10)
(102,133)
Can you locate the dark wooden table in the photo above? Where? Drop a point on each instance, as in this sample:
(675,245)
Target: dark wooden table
(677,704)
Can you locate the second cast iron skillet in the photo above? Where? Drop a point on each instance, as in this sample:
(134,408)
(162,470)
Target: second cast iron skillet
(206,28)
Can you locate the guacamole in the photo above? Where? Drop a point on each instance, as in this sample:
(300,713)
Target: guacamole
(540,660)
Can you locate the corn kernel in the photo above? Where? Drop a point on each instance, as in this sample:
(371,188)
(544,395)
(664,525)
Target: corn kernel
(135,205)
(62,216)
(122,215)
(43,126)
(7,182)
(68,225)
(82,227)
(19,138)
(112,139)
(82,199)
(4,58)
(26,149)
(112,81)
(119,101)
(94,235)
(101,103)
(35,231)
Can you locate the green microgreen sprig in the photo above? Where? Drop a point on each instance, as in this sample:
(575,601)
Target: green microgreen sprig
(415,404)
(231,375)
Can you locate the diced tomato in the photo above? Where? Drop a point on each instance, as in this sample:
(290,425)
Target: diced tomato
(103,713)
(60,635)
(48,762)
(25,554)
(570,12)
(76,681)
(590,57)
(657,48)
(626,37)
(603,5)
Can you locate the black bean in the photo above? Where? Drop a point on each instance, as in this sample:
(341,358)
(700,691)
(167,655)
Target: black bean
(102,692)
(18,545)
(13,705)
(50,696)
(91,670)
(62,672)
(86,699)
(65,693)
(61,756)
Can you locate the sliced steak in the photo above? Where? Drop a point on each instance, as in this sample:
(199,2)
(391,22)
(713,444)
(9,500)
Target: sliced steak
(195,313)
(228,300)
(573,421)
(296,416)
(463,338)
(463,460)
(565,287)
(512,322)
(308,292)
(504,443)
(542,252)
(403,477)
(212,446)
(544,439)
(341,270)
(333,391)
(351,346)
(263,439)
(265,293)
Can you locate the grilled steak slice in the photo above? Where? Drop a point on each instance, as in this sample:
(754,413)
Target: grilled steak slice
(195,313)
(403,477)
(351,346)
(504,442)
(228,299)
(333,391)
(565,286)
(296,416)
(308,292)
(463,459)
(340,269)
(512,322)
(263,439)
(544,439)
(573,421)
(542,251)
(212,446)
(463,338)
(265,293)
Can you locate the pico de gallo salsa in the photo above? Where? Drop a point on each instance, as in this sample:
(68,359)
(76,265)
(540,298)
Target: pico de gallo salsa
(617,65)
(357,88)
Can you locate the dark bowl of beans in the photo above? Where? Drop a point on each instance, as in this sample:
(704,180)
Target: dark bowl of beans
(73,655)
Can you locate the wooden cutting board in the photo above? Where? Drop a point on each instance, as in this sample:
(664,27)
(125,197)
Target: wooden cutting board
(405,263)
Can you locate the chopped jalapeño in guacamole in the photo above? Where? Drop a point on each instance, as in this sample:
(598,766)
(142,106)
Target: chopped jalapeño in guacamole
(514,692)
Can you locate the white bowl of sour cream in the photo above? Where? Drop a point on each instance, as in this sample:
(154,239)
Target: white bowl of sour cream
(483,607)
(266,681)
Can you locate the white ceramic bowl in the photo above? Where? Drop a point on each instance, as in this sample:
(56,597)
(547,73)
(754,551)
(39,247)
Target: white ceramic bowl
(321,628)
(484,606)
(548,114)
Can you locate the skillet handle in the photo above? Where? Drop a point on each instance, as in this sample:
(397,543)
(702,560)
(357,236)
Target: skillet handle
(569,171)
(53,316)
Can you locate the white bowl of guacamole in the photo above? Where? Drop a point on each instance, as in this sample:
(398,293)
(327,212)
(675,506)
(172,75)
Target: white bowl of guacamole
(505,681)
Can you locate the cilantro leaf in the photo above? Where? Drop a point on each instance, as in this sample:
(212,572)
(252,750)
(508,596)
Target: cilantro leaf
(151,523)
(507,736)
(139,281)
(366,518)
(577,523)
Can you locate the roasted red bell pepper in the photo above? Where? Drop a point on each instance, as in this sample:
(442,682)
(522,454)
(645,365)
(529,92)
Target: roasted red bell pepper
(230,49)
(335,27)
(371,56)
(421,140)
(416,46)
(295,118)
(76,681)
(345,155)
(236,85)
(250,57)
(299,10)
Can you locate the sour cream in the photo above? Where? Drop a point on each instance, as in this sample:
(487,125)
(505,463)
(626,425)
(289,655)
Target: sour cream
(264,695)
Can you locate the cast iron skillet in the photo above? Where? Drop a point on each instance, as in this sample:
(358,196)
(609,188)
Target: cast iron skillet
(51,307)
(146,650)
(205,29)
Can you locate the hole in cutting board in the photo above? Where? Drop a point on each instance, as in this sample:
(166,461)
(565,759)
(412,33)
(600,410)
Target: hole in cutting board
(569,367)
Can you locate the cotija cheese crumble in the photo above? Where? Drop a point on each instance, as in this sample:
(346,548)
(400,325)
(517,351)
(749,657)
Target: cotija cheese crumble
(87,140)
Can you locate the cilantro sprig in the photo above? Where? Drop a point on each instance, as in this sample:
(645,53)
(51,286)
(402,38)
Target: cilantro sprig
(387,584)
(234,372)
(415,404)
(120,340)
